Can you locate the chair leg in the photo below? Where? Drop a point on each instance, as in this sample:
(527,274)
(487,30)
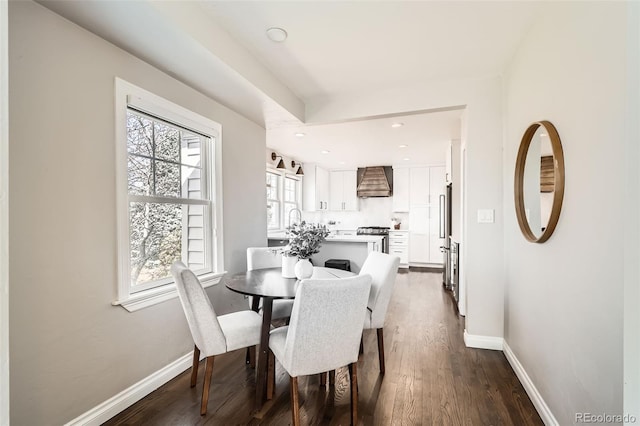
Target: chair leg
(295,408)
(271,375)
(207,384)
(194,368)
(354,392)
(332,377)
(380,350)
(251,353)
(323,379)
(361,345)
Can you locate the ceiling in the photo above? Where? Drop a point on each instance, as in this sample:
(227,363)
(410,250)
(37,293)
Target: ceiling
(422,139)
(334,49)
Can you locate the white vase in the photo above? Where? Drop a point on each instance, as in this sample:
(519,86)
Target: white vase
(288,266)
(304,269)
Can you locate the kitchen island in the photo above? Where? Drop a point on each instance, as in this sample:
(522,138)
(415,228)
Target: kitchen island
(354,248)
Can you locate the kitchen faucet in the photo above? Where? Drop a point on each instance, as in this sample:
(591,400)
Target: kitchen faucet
(295,210)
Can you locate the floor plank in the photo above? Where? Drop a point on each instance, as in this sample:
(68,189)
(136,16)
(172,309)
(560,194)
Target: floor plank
(431,378)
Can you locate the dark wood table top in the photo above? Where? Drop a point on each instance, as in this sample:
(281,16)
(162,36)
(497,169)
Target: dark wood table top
(270,282)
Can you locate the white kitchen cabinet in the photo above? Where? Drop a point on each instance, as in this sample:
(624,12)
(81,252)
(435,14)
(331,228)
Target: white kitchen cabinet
(400,201)
(437,182)
(419,186)
(342,190)
(315,188)
(426,185)
(399,246)
(418,248)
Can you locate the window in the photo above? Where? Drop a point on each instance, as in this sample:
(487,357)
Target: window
(167,207)
(273,201)
(283,195)
(290,198)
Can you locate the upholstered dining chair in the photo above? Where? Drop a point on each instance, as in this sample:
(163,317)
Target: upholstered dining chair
(269,257)
(323,334)
(383,269)
(213,335)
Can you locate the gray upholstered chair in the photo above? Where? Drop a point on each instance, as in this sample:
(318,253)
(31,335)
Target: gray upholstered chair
(213,335)
(324,333)
(383,269)
(269,257)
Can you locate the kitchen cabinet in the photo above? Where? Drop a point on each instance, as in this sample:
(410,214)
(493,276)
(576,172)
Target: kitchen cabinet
(342,190)
(315,188)
(399,246)
(426,186)
(419,186)
(437,182)
(400,201)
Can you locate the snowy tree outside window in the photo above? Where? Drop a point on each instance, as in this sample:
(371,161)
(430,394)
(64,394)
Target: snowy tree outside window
(169,201)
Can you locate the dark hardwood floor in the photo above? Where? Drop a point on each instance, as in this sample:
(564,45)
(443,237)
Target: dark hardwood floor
(431,378)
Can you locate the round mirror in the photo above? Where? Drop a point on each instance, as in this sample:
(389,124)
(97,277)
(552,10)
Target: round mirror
(539,181)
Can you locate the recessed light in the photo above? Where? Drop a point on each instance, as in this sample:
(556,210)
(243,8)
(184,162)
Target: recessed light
(301,135)
(396,125)
(276,34)
(342,162)
(402,146)
(324,152)
(406,159)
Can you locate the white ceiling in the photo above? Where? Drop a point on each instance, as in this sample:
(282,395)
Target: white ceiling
(337,47)
(371,142)
(334,49)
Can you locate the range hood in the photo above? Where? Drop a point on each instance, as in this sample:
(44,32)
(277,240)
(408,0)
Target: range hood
(375,182)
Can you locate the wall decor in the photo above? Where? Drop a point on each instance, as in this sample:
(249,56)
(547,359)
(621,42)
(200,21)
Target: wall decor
(539,181)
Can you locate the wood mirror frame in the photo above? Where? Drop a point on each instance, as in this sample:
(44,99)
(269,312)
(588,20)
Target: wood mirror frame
(558,185)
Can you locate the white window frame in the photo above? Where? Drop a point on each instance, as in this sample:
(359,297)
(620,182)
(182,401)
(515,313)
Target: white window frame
(282,174)
(129,95)
(278,199)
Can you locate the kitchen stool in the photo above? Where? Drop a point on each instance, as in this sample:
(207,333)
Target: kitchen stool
(343,264)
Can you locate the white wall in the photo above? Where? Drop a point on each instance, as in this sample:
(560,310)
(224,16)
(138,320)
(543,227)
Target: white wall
(374,211)
(4,215)
(564,298)
(70,349)
(631,366)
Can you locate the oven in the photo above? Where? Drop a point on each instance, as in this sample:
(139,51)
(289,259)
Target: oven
(380,231)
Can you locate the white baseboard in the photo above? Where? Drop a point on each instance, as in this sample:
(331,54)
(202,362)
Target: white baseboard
(483,342)
(116,404)
(542,407)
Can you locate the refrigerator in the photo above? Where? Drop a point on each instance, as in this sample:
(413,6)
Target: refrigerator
(445,233)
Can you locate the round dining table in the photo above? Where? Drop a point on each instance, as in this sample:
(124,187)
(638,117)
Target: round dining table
(266,285)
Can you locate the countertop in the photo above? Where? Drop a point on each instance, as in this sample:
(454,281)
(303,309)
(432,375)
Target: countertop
(334,238)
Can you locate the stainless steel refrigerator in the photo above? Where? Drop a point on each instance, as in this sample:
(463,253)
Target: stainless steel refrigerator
(445,232)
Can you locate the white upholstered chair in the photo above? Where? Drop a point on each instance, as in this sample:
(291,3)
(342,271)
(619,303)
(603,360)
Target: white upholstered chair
(383,269)
(269,257)
(213,335)
(324,333)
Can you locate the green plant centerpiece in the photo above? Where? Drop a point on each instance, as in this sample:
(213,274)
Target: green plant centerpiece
(305,240)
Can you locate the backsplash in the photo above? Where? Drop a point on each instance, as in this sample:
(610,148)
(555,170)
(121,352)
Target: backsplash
(372,212)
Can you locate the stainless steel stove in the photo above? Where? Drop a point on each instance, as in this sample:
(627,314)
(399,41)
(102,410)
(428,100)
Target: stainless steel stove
(378,231)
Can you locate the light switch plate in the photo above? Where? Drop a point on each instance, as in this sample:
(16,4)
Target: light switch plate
(485,216)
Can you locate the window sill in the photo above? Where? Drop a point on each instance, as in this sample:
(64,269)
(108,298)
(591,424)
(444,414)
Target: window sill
(146,298)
